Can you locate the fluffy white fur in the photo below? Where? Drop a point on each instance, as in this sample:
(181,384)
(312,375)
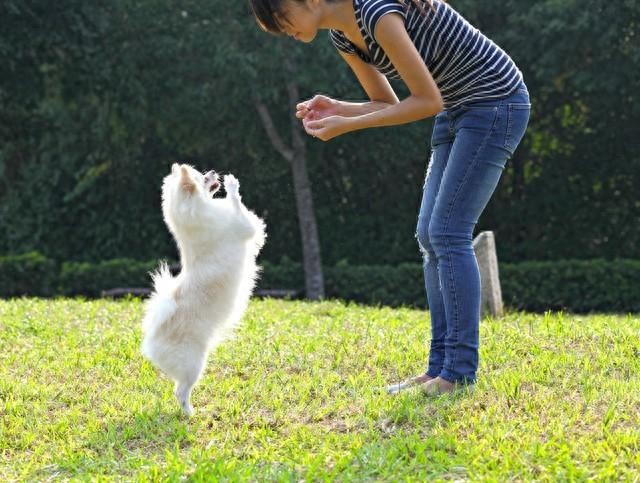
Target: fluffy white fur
(218,239)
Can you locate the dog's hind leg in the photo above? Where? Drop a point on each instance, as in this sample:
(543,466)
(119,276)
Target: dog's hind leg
(183,395)
(184,386)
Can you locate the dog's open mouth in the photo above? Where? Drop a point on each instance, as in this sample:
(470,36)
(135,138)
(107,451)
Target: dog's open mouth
(211,182)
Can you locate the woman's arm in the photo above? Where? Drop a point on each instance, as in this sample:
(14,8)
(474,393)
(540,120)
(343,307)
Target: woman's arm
(424,100)
(373,82)
(320,106)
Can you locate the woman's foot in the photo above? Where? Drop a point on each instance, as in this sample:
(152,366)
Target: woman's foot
(438,386)
(411,382)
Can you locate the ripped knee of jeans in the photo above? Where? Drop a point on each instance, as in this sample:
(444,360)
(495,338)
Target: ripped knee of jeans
(422,245)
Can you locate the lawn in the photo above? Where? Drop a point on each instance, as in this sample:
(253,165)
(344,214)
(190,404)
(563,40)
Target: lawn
(296,395)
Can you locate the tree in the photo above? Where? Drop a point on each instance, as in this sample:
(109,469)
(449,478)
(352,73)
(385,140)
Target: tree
(297,158)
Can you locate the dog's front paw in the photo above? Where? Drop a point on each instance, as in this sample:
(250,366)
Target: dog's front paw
(231,185)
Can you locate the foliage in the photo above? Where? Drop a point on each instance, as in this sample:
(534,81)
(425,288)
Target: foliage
(83,278)
(27,274)
(574,285)
(578,286)
(102,98)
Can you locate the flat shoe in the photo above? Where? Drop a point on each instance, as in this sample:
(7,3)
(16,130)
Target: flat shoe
(401,386)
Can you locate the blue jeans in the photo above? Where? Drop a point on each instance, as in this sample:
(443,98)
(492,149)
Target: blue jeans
(470,146)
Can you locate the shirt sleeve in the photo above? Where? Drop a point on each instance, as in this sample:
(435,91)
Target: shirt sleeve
(374,10)
(340,42)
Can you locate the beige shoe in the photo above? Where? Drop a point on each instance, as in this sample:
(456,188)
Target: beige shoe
(438,386)
(411,382)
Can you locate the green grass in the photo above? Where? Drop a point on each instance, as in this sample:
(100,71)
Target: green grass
(296,396)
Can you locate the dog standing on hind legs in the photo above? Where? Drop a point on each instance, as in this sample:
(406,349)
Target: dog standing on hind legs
(219,240)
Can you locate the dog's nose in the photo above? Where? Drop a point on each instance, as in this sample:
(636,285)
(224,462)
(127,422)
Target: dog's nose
(211,175)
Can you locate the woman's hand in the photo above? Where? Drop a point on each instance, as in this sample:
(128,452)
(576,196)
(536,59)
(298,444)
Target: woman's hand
(321,119)
(318,107)
(327,127)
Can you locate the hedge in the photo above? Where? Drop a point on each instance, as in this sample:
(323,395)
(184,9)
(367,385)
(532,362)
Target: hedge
(27,274)
(91,279)
(570,285)
(573,285)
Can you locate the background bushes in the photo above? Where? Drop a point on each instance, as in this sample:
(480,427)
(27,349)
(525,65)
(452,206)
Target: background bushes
(572,285)
(28,274)
(97,99)
(83,278)
(103,97)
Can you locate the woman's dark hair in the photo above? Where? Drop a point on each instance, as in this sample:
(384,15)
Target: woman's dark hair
(267,12)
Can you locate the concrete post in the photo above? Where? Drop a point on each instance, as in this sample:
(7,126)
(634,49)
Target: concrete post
(484,246)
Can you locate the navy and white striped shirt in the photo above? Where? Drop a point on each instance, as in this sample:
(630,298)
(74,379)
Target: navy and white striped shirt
(465,64)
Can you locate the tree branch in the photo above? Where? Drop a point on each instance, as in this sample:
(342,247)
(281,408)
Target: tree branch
(272,132)
(297,138)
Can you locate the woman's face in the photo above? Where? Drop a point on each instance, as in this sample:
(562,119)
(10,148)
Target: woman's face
(300,20)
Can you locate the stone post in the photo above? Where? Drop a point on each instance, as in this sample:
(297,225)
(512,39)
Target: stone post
(484,246)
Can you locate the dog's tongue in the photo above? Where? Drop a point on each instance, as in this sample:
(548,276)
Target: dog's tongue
(214,186)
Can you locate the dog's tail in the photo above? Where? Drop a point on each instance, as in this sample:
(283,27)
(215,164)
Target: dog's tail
(162,305)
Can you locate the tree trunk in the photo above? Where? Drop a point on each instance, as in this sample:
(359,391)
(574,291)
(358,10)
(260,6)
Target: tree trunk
(296,155)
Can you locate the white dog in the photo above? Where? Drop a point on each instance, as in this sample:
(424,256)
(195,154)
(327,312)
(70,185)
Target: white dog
(218,239)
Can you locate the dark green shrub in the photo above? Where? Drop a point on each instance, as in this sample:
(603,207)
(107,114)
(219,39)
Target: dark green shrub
(27,274)
(571,285)
(90,279)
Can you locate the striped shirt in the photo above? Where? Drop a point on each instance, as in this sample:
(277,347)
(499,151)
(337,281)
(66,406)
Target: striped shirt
(465,64)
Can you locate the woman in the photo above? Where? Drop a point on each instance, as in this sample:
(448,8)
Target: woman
(482,108)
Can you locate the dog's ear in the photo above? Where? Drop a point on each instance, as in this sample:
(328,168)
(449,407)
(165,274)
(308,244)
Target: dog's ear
(175,167)
(186,183)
